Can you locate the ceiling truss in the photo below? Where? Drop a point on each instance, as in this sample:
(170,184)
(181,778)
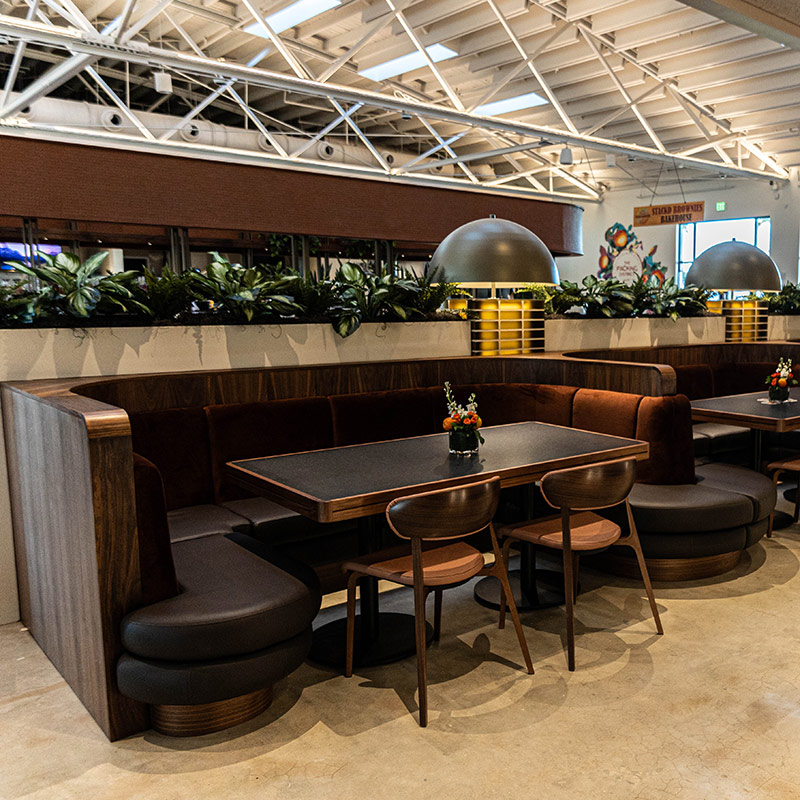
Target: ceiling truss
(451,144)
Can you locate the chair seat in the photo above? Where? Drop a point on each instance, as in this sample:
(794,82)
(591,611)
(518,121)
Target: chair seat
(452,563)
(588,531)
(786,464)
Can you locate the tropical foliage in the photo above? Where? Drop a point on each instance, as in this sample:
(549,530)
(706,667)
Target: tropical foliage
(607,297)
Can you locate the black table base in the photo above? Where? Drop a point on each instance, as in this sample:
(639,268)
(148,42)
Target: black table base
(395,640)
(781,520)
(547,592)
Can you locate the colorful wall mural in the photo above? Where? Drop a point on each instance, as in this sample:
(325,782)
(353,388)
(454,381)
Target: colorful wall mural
(623,259)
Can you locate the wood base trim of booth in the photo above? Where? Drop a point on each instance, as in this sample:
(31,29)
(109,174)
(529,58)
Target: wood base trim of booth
(670,569)
(205,718)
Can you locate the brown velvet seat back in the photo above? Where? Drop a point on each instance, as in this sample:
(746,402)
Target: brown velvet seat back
(250,430)
(666,423)
(503,403)
(602,411)
(696,381)
(741,377)
(156,567)
(176,441)
(377,416)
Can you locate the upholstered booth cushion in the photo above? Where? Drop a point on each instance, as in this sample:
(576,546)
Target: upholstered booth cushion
(741,376)
(696,381)
(232,602)
(502,403)
(195,522)
(757,487)
(250,430)
(192,683)
(376,416)
(688,508)
(613,413)
(176,441)
(666,423)
(156,567)
(694,545)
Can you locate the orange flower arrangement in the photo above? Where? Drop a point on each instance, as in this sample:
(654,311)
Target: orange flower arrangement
(780,380)
(461,418)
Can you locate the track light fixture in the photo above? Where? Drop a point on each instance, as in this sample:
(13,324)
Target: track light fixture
(163,82)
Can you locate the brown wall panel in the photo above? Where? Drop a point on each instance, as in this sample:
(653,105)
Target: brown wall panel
(69,181)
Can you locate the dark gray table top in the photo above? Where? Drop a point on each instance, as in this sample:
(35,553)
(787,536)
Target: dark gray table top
(348,482)
(745,410)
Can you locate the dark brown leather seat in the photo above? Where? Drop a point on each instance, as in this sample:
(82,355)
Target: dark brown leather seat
(223,619)
(195,522)
(688,508)
(187,683)
(231,602)
(742,481)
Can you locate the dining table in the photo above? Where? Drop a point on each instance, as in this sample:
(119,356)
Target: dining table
(357,482)
(752,410)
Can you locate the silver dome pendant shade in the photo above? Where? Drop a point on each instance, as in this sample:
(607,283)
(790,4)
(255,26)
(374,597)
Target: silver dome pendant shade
(490,252)
(735,266)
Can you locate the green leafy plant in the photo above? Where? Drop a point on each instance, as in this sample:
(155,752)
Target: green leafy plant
(787,301)
(433,291)
(367,296)
(167,296)
(606,297)
(242,293)
(651,297)
(16,304)
(77,289)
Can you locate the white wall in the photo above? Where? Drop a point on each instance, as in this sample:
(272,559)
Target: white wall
(742,199)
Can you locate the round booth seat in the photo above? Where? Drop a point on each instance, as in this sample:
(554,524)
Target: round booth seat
(207,658)
(698,530)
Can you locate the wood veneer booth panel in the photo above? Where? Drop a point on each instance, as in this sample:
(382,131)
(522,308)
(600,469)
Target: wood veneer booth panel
(73,513)
(242,197)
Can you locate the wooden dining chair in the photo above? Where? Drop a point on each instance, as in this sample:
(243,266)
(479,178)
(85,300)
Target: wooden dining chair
(438,515)
(777,468)
(577,492)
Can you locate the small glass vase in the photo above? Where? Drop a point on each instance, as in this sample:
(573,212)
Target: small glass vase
(779,394)
(463,443)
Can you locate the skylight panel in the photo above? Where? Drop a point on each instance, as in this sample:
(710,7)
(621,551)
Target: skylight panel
(407,63)
(294,14)
(517,103)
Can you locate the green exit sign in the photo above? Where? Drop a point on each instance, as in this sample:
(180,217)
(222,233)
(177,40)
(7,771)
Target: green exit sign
(720,205)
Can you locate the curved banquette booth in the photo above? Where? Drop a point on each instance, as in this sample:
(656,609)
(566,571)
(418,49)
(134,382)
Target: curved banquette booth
(167,595)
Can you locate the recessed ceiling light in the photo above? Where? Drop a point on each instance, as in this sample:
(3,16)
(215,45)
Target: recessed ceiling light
(517,103)
(294,14)
(407,63)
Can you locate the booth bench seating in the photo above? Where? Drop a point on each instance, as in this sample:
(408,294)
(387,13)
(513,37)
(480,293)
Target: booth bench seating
(717,442)
(691,521)
(224,618)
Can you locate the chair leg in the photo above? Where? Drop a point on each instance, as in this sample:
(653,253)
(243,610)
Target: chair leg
(797,500)
(437,614)
(503,601)
(637,547)
(569,585)
(351,623)
(576,565)
(422,677)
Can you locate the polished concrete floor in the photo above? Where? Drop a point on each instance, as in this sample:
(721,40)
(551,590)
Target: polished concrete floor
(709,710)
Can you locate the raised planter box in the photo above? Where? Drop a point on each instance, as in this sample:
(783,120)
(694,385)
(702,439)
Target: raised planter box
(64,352)
(593,334)
(33,353)
(783,327)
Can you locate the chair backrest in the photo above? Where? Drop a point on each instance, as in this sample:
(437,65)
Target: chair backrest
(593,486)
(445,513)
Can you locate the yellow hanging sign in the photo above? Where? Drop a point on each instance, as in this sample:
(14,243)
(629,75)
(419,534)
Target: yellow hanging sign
(669,214)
